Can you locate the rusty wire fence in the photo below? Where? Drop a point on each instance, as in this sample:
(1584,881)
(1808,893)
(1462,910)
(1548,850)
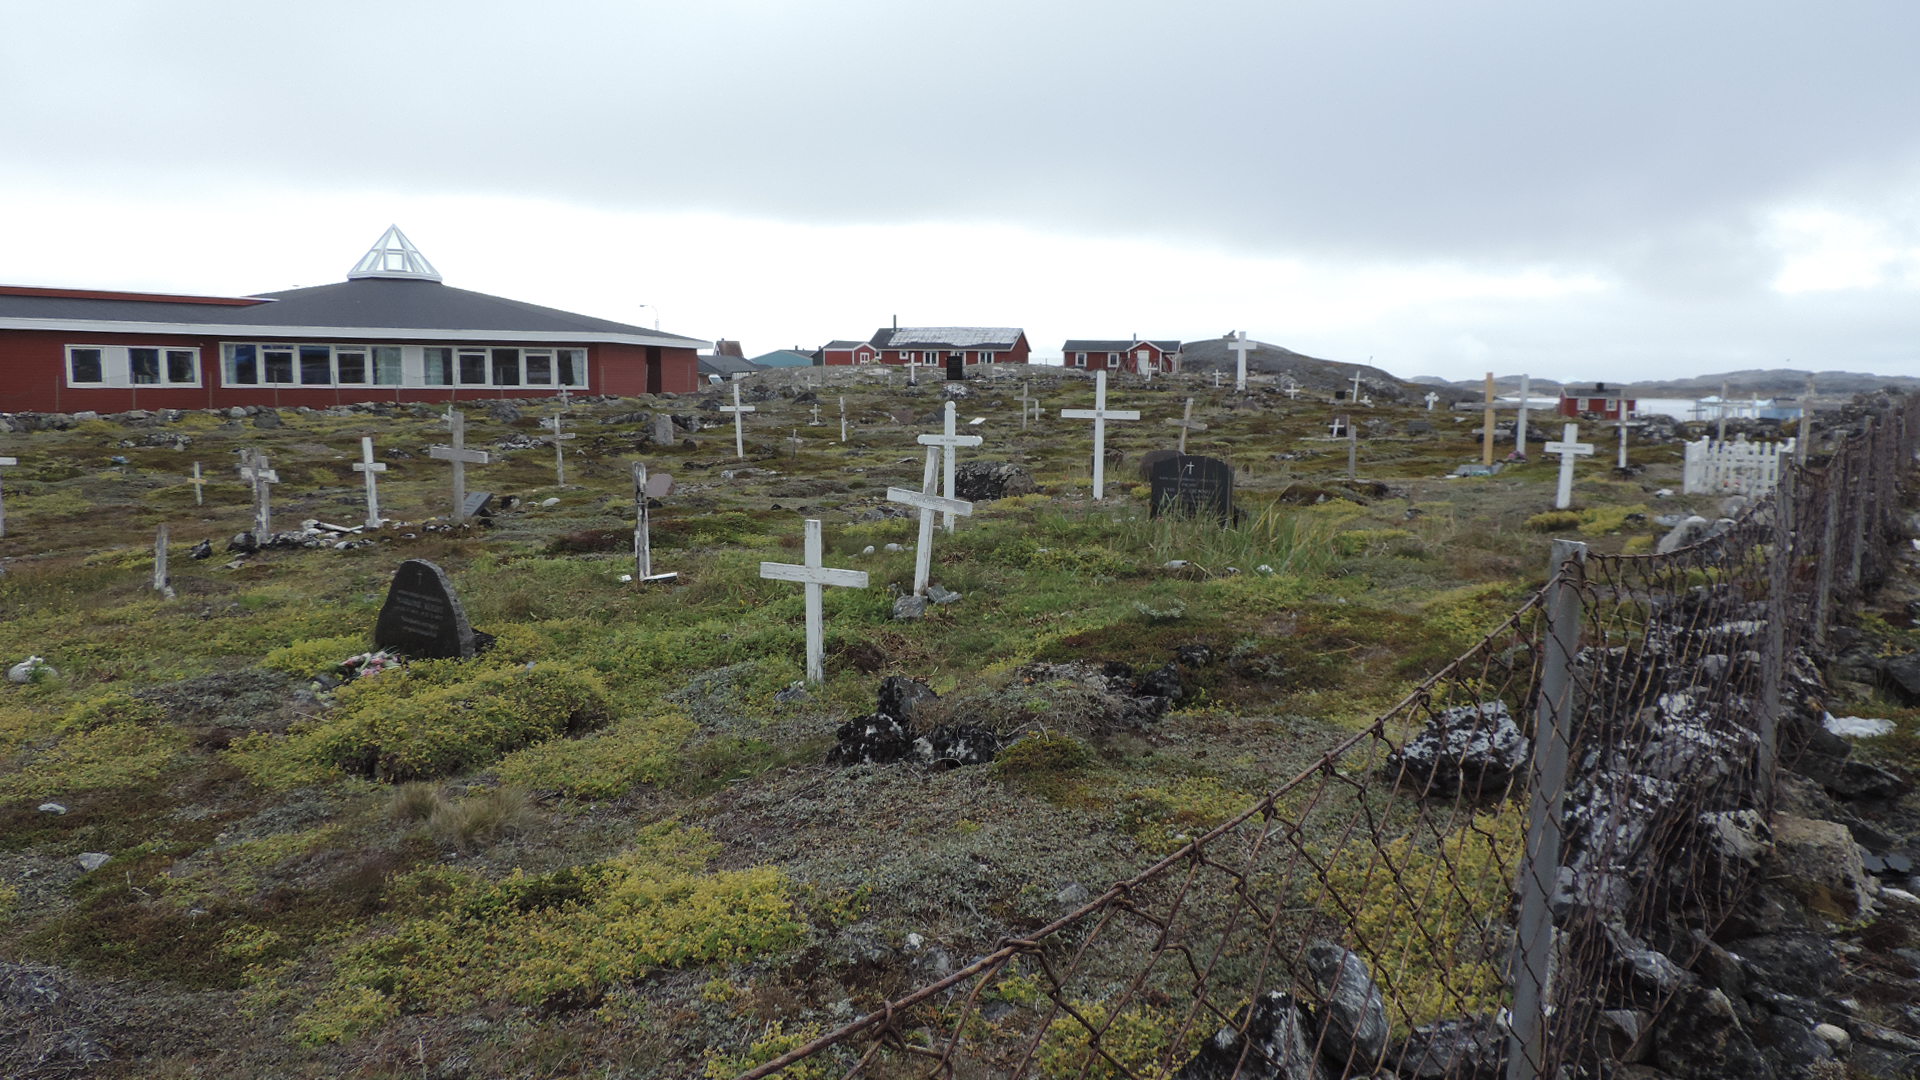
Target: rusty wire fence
(1499,876)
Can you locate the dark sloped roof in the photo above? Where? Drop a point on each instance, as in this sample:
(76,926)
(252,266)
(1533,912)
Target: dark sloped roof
(725,365)
(1117,345)
(363,304)
(839,344)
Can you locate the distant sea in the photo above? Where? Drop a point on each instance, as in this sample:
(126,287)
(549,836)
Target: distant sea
(1678,408)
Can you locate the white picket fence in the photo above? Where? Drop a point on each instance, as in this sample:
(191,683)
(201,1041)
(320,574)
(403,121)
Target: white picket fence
(1734,468)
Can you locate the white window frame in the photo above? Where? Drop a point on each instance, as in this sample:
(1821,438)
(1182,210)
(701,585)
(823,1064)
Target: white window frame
(985,357)
(1079,359)
(1113,359)
(930,356)
(412,371)
(116,367)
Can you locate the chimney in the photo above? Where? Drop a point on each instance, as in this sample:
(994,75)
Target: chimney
(1600,386)
(896,322)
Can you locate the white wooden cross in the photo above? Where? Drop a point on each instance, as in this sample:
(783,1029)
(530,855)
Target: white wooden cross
(643,531)
(7,463)
(1338,427)
(913,367)
(813,575)
(199,486)
(461,458)
(947,441)
(1356,385)
(926,501)
(1293,390)
(255,470)
(1430,399)
(559,450)
(739,430)
(1568,449)
(162,584)
(1623,437)
(1520,425)
(1187,423)
(1028,403)
(566,398)
(815,422)
(371,470)
(1240,348)
(1353,450)
(843,418)
(1100,414)
(1216,380)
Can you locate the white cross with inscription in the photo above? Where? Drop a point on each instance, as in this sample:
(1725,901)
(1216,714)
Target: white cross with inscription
(813,575)
(461,458)
(1568,449)
(371,470)
(947,441)
(1100,414)
(1430,399)
(199,486)
(739,430)
(926,501)
(8,463)
(1187,423)
(1240,348)
(1028,403)
(559,450)
(643,530)
(255,471)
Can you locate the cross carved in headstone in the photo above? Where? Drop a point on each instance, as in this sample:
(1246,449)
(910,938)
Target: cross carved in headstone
(927,501)
(370,469)
(812,574)
(739,429)
(461,458)
(1100,414)
(947,441)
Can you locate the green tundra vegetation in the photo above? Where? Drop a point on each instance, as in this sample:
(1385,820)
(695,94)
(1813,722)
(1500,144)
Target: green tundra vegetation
(608,846)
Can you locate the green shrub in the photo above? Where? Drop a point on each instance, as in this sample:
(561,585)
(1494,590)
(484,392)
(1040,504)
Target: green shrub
(1043,753)
(1555,521)
(439,717)
(641,750)
(315,656)
(773,1042)
(117,755)
(1163,818)
(1139,1039)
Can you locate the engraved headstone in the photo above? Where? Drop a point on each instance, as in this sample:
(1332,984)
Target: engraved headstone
(1191,485)
(478,504)
(422,617)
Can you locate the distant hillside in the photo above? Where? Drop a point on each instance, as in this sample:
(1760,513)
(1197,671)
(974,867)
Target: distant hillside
(1764,383)
(1312,373)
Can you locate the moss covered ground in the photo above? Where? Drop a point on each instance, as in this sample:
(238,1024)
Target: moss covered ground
(607,847)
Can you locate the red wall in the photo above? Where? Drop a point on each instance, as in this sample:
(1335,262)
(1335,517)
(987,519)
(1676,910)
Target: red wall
(33,378)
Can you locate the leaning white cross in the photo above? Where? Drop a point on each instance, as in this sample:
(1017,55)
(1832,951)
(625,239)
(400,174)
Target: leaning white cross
(1568,449)
(255,470)
(559,450)
(947,441)
(7,463)
(643,530)
(927,502)
(1187,423)
(199,486)
(813,575)
(1240,348)
(371,470)
(739,430)
(461,458)
(1100,414)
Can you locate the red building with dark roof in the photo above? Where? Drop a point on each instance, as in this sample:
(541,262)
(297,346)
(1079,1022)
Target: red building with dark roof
(390,332)
(1137,355)
(932,345)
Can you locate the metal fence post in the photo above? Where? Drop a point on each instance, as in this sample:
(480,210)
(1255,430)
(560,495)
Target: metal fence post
(1539,868)
(1863,457)
(1826,556)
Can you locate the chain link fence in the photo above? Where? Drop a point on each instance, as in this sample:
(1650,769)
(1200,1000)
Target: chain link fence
(1503,875)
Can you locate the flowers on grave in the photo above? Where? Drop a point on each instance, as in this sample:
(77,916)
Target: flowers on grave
(368,663)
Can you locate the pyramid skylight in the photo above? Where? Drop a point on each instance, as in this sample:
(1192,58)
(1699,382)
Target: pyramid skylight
(394,256)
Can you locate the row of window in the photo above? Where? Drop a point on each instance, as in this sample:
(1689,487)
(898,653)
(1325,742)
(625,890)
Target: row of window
(1113,360)
(931,356)
(132,365)
(402,365)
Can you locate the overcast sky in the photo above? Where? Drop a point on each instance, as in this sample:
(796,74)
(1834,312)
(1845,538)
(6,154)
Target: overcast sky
(1621,190)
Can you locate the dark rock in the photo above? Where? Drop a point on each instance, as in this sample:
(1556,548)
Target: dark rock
(1792,1045)
(201,550)
(910,607)
(245,543)
(1267,1041)
(1152,458)
(984,481)
(1800,964)
(503,411)
(1902,675)
(423,617)
(1354,1027)
(1698,1038)
(1163,682)
(901,697)
(266,418)
(876,739)
(1475,749)
(1193,655)
(1859,780)
(1472,1049)
(958,744)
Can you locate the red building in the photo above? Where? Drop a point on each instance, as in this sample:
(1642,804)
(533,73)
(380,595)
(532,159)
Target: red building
(1136,355)
(390,332)
(932,345)
(1595,400)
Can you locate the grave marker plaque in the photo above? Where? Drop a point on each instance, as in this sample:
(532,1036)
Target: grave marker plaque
(1191,485)
(422,617)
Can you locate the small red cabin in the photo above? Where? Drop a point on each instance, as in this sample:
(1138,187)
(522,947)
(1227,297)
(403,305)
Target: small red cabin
(932,346)
(1137,355)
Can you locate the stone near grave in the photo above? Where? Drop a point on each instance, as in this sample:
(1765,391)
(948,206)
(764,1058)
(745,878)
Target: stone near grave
(985,481)
(423,619)
(1475,749)
(267,418)
(1477,470)
(1152,459)
(1352,1011)
(1268,1040)
(659,485)
(29,669)
(1191,485)
(1689,532)
(93,860)
(956,368)
(662,429)
(1419,427)
(478,504)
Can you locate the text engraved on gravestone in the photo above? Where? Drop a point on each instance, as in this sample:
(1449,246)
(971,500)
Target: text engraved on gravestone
(422,617)
(1193,485)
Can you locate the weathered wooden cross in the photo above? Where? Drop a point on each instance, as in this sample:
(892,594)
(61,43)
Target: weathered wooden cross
(559,450)
(199,486)
(1100,414)
(1187,423)
(1240,348)
(1356,385)
(162,584)
(1568,448)
(1028,403)
(739,429)
(8,463)
(843,418)
(1486,438)
(814,576)
(255,471)
(370,470)
(643,530)
(461,458)
(947,441)
(927,502)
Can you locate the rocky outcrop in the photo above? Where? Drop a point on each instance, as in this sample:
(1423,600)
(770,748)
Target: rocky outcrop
(1475,749)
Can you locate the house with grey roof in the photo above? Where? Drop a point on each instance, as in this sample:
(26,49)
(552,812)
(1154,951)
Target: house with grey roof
(1138,355)
(393,331)
(932,345)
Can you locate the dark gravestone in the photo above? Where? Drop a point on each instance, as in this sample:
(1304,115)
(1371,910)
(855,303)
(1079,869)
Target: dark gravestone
(479,504)
(956,367)
(1151,460)
(1190,485)
(422,617)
